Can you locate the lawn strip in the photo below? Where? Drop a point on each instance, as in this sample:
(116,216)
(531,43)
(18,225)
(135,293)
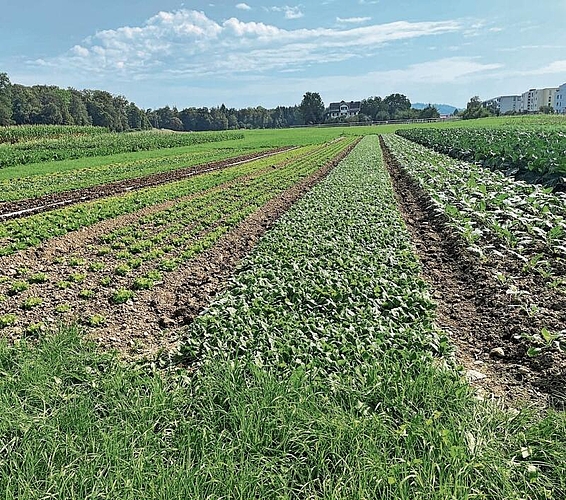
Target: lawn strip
(492,327)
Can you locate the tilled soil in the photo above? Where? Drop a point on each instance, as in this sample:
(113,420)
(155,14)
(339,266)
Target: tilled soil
(22,208)
(151,321)
(489,325)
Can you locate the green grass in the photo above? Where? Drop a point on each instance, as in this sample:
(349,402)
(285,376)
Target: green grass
(76,423)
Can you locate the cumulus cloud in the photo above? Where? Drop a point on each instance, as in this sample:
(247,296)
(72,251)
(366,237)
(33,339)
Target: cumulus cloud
(243,6)
(187,43)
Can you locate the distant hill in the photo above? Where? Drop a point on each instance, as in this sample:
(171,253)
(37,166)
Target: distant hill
(443,109)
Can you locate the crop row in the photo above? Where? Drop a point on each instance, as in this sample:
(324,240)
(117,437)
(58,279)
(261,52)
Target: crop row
(22,133)
(33,186)
(331,288)
(487,207)
(114,267)
(33,230)
(536,156)
(82,146)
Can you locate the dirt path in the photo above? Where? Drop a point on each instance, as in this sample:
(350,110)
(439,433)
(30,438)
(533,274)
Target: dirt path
(23,208)
(488,325)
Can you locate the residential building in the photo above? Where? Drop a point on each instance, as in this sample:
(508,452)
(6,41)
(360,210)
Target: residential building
(560,99)
(534,99)
(529,101)
(343,109)
(504,104)
(510,104)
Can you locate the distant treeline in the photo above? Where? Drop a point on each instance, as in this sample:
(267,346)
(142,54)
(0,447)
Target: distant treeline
(51,105)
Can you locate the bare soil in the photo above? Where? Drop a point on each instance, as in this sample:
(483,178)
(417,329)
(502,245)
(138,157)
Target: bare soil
(491,328)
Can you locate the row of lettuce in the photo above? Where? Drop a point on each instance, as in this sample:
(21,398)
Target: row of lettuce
(526,153)
(63,180)
(114,266)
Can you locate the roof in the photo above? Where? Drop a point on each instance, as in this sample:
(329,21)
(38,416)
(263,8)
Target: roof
(352,105)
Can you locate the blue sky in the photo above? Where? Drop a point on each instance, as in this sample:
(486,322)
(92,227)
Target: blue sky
(270,52)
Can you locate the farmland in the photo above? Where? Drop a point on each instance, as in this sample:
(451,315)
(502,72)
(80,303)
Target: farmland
(307,319)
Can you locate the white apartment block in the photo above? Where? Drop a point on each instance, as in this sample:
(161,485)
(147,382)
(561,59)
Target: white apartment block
(560,99)
(510,103)
(534,99)
(505,103)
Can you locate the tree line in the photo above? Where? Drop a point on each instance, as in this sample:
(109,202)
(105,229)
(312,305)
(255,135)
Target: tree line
(51,105)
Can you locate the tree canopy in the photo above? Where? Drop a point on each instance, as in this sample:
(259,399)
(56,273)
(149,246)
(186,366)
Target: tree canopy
(312,108)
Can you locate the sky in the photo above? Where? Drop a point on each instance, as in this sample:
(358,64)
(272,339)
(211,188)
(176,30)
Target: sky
(271,52)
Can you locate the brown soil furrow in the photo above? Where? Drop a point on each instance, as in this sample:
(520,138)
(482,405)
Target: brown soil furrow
(489,326)
(23,208)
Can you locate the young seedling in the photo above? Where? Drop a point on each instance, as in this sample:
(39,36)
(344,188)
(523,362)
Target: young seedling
(18,287)
(31,302)
(38,278)
(121,296)
(7,320)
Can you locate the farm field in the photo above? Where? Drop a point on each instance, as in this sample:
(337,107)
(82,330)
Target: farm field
(343,318)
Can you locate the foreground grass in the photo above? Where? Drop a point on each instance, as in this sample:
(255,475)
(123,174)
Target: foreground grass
(394,422)
(75,423)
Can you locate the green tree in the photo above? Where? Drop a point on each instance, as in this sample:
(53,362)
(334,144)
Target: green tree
(474,109)
(429,112)
(5,100)
(397,105)
(312,108)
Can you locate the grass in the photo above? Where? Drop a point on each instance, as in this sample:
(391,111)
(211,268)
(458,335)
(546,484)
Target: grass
(76,423)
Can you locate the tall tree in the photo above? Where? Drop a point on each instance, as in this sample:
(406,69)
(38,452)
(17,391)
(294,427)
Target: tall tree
(312,108)
(474,109)
(5,100)
(396,105)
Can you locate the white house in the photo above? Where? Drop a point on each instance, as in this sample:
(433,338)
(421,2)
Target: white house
(343,109)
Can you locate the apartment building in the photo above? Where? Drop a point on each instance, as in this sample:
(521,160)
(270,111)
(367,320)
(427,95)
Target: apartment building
(560,99)
(534,99)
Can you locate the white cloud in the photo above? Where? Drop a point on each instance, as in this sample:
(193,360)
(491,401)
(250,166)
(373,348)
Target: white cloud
(353,20)
(290,12)
(552,68)
(243,6)
(187,43)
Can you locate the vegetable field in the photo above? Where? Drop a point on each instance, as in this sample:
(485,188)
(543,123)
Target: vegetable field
(293,314)
(536,156)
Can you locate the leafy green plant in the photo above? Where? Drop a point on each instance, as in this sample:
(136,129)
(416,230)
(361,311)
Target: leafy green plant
(7,320)
(38,278)
(121,296)
(18,287)
(31,303)
(63,308)
(96,320)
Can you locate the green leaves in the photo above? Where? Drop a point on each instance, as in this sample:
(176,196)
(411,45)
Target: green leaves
(331,288)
